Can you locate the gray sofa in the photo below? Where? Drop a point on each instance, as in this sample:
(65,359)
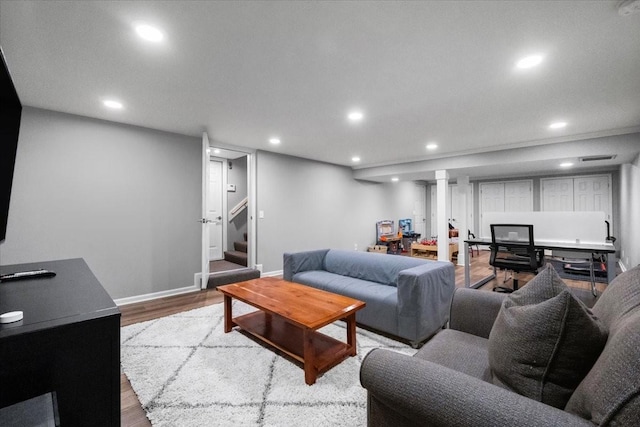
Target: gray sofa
(405,297)
(448,382)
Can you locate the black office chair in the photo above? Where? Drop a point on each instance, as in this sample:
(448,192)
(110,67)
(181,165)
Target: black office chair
(512,248)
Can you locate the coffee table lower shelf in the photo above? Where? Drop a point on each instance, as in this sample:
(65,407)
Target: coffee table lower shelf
(323,352)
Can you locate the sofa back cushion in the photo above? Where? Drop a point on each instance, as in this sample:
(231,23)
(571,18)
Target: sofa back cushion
(620,298)
(544,341)
(610,393)
(374,267)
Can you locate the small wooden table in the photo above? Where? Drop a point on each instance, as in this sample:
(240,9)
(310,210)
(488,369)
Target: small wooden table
(288,317)
(431,251)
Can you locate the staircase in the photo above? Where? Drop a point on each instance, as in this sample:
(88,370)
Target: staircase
(236,264)
(239,254)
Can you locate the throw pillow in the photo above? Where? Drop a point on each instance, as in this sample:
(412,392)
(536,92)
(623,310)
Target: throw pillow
(544,341)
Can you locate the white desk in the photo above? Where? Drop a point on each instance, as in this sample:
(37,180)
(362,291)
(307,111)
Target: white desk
(590,248)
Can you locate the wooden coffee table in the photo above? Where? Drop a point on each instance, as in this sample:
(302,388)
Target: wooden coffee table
(288,317)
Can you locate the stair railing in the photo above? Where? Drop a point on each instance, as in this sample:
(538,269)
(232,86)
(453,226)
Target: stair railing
(242,205)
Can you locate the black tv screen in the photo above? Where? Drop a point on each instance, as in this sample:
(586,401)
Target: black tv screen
(9,130)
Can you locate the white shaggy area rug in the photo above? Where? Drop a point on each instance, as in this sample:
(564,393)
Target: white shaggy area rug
(187,372)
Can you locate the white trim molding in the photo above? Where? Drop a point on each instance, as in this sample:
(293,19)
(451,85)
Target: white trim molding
(156,295)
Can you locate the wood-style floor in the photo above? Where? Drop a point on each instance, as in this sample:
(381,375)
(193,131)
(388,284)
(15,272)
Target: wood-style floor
(132,413)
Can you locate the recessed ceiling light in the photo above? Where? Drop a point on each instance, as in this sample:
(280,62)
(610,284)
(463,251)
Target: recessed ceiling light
(557,125)
(149,33)
(432,146)
(529,61)
(274,141)
(216,151)
(113,104)
(395,179)
(566,165)
(355,159)
(355,116)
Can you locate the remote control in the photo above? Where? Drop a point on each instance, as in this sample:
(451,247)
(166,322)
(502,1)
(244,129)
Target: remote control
(23,275)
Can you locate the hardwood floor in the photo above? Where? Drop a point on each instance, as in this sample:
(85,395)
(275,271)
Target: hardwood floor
(132,414)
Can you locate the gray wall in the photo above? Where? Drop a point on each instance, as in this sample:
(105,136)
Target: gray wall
(124,198)
(312,205)
(629,235)
(237,175)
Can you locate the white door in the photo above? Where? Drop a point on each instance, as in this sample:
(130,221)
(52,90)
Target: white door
(455,212)
(434,212)
(204,275)
(491,200)
(518,196)
(557,194)
(419,206)
(593,193)
(214,209)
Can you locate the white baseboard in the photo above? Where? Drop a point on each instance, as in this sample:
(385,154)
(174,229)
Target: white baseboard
(155,295)
(272,273)
(623,267)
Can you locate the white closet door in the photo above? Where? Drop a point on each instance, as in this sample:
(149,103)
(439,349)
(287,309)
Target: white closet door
(557,194)
(518,196)
(592,193)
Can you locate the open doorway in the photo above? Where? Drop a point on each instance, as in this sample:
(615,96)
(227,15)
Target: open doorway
(233,192)
(228,197)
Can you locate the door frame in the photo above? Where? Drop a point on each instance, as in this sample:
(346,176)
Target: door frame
(251,205)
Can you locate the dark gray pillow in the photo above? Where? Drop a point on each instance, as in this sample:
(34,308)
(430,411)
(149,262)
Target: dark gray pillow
(544,341)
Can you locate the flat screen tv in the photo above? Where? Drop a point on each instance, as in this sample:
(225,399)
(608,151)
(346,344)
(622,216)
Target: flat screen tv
(9,129)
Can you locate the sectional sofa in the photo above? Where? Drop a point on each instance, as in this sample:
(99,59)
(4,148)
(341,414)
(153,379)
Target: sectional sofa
(537,357)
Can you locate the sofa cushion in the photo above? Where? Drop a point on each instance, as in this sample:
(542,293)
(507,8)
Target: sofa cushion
(380,268)
(459,351)
(610,393)
(381,311)
(544,341)
(621,298)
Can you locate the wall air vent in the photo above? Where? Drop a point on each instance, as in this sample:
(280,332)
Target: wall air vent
(597,158)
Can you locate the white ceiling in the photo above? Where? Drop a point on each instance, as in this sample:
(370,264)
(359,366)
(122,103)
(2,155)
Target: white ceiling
(420,71)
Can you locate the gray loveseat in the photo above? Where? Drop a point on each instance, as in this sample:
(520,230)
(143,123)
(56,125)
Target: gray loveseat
(447,383)
(405,297)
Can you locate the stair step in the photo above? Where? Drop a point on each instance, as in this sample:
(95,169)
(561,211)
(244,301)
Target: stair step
(236,257)
(233,276)
(240,246)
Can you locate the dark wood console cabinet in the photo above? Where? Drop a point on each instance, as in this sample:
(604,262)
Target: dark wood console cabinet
(67,343)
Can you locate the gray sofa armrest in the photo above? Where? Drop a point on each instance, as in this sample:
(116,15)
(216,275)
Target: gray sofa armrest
(474,311)
(424,298)
(407,391)
(302,261)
